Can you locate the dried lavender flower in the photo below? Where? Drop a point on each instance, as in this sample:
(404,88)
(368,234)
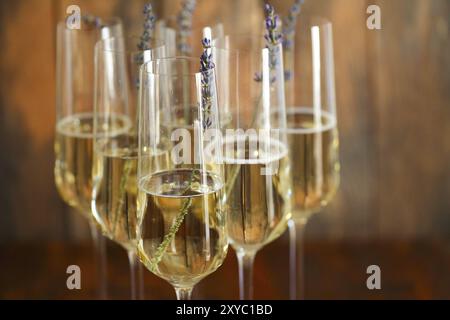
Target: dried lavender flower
(184,21)
(290,22)
(206,65)
(273,34)
(149,27)
(146,37)
(273,38)
(257,77)
(287,75)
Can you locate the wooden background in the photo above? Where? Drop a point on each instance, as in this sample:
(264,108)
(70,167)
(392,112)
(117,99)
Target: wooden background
(393,91)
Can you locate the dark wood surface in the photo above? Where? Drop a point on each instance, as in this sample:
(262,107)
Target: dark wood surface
(334,270)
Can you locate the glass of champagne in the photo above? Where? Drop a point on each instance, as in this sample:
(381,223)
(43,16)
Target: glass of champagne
(181,223)
(258,188)
(114,197)
(74,126)
(312,134)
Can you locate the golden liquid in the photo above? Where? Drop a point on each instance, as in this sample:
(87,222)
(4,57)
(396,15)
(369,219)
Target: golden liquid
(115,195)
(258,206)
(74,159)
(114,202)
(74,156)
(200,245)
(314,154)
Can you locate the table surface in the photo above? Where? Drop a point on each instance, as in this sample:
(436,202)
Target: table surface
(333,270)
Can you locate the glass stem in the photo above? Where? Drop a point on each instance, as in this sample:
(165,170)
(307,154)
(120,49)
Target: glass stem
(245,261)
(132,262)
(296,260)
(100,260)
(184,293)
(140,268)
(292,260)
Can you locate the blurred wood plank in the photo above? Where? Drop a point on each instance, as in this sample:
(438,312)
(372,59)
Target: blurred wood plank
(411,68)
(30,207)
(352,212)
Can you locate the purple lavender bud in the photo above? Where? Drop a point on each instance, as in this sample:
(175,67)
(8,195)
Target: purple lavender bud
(275,21)
(288,44)
(206,43)
(272,26)
(147,8)
(98,22)
(257,77)
(269,9)
(287,75)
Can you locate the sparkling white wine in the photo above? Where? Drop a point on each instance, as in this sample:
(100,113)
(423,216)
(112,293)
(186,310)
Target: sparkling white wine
(114,201)
(73,166)
(74,158)
(190,200)
(313,146)
(257,204)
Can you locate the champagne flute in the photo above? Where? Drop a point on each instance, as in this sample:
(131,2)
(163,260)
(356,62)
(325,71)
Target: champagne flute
(74,126)
(114,197)
(312,135)
(257,167)
(181,223)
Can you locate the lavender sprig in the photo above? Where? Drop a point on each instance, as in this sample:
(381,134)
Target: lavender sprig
(290,22)
(289,25)
(168,238)
(146,37)
(273,38)
(149,28)
(273,34)
(184,21)
(206,65)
